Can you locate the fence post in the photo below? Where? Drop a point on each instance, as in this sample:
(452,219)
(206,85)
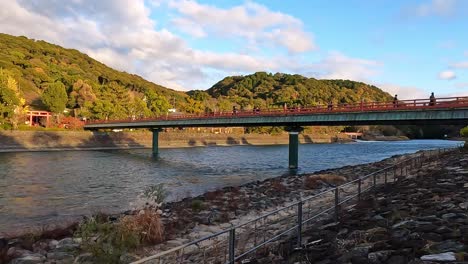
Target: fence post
(336,203)
(359,189)
(232,245)
(386,177)
(299,224)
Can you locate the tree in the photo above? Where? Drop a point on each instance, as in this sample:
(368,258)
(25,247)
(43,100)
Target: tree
(12,104)
(80,94)
(199,95)
(138,108)
(55,97)
(193,106)
(156,103)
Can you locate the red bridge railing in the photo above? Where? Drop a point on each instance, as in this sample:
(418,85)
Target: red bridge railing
(414,104)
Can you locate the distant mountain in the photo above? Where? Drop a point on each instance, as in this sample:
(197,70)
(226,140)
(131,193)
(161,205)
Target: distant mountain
(266,89)
(37,64)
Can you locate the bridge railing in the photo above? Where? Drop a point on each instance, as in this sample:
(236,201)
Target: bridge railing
(448,102)
(264,233)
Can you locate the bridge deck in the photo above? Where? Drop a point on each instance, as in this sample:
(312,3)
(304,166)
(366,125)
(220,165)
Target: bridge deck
(452,110)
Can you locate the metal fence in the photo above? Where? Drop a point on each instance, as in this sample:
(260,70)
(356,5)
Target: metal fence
(244,241)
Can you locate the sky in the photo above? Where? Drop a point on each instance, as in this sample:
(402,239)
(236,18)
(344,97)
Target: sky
(406,47)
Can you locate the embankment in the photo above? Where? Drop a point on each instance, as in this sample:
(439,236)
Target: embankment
(11,141)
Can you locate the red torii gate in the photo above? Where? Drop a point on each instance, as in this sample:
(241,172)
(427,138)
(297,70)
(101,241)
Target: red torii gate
(34,117)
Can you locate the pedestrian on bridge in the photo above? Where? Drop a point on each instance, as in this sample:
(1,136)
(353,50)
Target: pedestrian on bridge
(330,105)
(395,101)
(432,99)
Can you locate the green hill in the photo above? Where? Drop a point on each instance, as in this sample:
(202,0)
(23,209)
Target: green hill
(266,90)
(53,78)
(35,65)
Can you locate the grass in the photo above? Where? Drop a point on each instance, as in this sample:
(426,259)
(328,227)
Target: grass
(315,181)
(197,205)
(108,241)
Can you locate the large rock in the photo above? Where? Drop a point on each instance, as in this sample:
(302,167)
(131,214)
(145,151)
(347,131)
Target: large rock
(30,259)
(448,245)
(447,256)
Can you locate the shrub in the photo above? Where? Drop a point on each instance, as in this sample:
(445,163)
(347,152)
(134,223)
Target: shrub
(147,225)
(197,205)
(106,241)
(156,193)
(464,132)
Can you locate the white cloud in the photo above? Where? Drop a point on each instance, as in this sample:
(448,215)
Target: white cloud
(447,75)
(435,8)
(465,53)
(339,66)
(403,92)
(254,22)
(123,35)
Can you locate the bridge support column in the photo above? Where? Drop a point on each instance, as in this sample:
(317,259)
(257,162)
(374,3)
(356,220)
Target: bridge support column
(155,148)
(294,146)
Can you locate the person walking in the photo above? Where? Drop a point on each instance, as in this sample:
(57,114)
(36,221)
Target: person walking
(395,101)
(432,99)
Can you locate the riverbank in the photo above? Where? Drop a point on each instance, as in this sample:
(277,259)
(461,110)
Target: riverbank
(421,219)
(14,141)
(188,219)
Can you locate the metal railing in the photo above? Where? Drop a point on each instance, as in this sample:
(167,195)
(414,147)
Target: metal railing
(259,234)
(447,102)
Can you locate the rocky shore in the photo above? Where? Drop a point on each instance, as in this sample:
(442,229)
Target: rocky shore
(418,220)
(188,219)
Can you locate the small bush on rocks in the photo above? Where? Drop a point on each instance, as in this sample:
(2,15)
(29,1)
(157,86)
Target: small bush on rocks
(156,193)
(147,224)
(107,242)
(197,205)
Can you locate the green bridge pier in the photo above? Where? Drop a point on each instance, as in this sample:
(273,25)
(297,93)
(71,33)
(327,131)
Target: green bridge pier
(294,146)
(156,141)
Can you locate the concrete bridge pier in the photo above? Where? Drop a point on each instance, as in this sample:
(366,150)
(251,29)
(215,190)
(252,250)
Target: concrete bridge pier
(155,148)
(294,146)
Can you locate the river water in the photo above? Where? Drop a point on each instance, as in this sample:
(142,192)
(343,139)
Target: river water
(40,188)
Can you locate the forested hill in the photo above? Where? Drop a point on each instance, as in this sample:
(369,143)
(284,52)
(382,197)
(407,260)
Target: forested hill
(39,75)
(266,89)
(35,65)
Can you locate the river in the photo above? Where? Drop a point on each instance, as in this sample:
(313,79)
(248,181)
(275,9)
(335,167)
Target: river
(41,188)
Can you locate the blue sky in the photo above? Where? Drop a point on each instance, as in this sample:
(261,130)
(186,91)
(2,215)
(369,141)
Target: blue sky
(407,47)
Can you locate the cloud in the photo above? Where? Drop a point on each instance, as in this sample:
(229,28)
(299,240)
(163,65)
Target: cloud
(447,75)
(251,21)
(339,66)
(403,92)
(123,35)
(442,8)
